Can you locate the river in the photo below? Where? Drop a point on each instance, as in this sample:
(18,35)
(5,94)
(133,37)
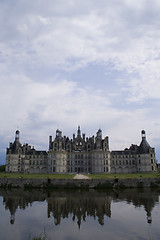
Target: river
(75,214)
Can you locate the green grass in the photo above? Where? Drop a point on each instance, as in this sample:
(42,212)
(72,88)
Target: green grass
(124,175)
(71,176)
(37,176)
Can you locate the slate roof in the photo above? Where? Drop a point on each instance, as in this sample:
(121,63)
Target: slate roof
(144,147)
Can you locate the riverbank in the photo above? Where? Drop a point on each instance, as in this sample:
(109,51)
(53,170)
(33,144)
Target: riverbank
(71,176)
(49,183)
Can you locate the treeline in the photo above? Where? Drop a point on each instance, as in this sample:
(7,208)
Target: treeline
(2,168)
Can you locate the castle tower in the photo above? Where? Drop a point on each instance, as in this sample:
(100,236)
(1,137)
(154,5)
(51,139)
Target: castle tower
(99,139)
(99,133)
(58,133)
(144,145)
(50,142)
(17,134)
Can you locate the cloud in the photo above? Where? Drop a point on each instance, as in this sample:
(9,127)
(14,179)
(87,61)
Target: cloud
(43,49)
(97,32)
(40,108)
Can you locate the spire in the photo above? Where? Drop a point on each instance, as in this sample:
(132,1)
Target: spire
(78,131)
(17,136)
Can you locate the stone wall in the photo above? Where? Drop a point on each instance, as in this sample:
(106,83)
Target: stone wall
(77,183)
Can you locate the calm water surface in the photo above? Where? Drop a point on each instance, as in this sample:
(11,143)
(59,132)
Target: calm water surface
(69,215)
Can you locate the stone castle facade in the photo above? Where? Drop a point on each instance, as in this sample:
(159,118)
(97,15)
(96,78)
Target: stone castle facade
(80,155)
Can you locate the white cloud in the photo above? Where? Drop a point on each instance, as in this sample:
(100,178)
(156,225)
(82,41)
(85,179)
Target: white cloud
(40,40)
(40,108)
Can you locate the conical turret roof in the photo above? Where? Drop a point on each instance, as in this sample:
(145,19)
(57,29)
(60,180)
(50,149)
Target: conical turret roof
(144,146)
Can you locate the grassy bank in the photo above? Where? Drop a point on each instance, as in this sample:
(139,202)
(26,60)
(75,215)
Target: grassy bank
(124,175)
(71,176)
(37,176)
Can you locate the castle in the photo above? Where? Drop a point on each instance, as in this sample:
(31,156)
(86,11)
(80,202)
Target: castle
(80,155)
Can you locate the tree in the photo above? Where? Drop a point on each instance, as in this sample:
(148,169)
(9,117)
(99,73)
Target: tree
(2,168)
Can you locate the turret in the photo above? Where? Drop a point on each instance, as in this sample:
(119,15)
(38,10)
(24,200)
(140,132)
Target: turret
(99,139)
(144,145)
(50,142)
(143,135)
(83,136)
(58,133)
(17,143)
(99,133)
(17,136)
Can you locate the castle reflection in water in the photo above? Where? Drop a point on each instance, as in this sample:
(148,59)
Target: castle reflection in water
(78,204)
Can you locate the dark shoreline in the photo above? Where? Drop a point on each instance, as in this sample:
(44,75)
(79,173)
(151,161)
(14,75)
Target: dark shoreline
(79,183)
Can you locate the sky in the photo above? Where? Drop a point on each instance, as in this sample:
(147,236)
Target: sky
(90,63)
